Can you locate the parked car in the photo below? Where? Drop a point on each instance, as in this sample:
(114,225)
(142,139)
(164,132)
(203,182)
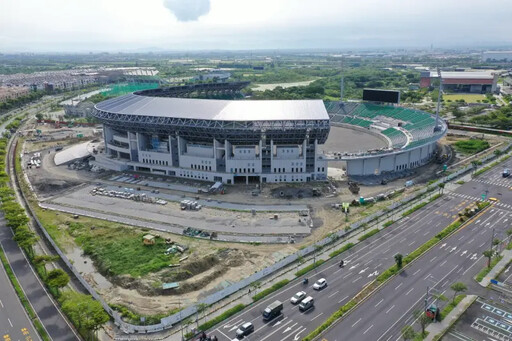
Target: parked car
(298,297)
(320,284)
(244,330)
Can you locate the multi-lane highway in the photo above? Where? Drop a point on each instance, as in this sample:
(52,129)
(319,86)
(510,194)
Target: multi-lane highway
(362,264)
(458,258)
(14,322)
(50,316)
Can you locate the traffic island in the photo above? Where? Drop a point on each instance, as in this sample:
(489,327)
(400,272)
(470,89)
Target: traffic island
(494,271)
(437,330)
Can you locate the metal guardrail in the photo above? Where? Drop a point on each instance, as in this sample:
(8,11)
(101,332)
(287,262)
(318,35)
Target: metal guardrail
(169,321)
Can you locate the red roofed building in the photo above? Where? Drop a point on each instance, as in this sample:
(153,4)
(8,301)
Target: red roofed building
(473,82)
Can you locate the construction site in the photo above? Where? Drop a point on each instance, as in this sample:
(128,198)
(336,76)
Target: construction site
(194,237)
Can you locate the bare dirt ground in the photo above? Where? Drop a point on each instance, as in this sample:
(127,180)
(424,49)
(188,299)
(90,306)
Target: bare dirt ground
(211,265)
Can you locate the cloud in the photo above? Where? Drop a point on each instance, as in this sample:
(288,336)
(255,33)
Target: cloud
(188,10)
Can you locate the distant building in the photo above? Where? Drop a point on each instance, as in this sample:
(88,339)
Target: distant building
(12,92)
(215,75)
(469,82)
(497,56)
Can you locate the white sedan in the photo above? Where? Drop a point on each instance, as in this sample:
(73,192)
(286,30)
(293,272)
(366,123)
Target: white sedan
(298,297)
(320,284)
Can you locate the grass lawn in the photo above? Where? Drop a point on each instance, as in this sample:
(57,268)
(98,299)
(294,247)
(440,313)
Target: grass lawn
(468,98)
(471,146)
(117,250)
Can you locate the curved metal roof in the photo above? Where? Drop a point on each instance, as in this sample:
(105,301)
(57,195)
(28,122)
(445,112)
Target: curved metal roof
(217,110)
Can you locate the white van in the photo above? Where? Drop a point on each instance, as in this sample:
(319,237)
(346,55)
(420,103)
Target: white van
(306,303)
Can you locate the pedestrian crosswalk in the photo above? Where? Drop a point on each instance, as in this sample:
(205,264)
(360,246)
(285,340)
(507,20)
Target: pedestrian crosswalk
(500,182)
(464,196)
(472,198)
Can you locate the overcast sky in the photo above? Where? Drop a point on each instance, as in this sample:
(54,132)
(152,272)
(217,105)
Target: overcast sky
(129,25)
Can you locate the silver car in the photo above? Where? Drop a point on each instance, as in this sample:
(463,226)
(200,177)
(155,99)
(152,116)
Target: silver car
(298,297)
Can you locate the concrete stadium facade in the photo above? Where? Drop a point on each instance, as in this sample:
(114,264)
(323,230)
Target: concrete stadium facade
(244,141)
(228,141)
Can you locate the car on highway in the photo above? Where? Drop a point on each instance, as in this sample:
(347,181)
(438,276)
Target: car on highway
(244,330)
(298,297)
(506,173)
(307,303)
(320,284)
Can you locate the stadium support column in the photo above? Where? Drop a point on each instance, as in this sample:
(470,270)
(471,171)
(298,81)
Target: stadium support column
(315,167)
(271,156)
(305,153)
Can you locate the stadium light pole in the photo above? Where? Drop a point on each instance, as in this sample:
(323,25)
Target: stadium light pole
(439,98)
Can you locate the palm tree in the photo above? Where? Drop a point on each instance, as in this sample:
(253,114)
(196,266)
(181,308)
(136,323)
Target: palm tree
(457,287)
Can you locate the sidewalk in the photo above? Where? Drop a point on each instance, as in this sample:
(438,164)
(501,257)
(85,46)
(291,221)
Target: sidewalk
(507,257)
(438,329)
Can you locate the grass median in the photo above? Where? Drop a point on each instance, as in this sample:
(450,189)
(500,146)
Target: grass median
(383,277)
(225,315)
(23,299)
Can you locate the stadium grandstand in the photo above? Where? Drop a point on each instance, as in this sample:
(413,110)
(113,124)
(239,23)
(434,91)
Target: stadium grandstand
(412,135)
(175,131)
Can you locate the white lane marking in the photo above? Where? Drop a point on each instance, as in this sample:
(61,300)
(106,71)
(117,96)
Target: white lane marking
(432,259)
(412,242)
(443,263)
(334,293)
(414,274)
(407,293)
(482,244)
(317,316)
(399,285)
(343,299)
(366,331)
(382,300)
(408,310)
(234,324)
(357,279)
(1,303)
(387,311)
(297,335)
(472,240)
(278,329)
(349,274)
(10,323)
(289,328)
(426,233)
(427,277)
(356,322)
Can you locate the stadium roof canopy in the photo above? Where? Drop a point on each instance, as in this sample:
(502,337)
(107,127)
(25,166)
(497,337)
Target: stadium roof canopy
(217,110)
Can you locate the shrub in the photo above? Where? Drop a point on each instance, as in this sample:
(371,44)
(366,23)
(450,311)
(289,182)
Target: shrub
(309,268)
(368,234)
(218,319)
(270,290)
(449,307)
(345,247)
(388,223)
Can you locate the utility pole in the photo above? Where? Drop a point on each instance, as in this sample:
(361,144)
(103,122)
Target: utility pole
(342,84)
(426,299)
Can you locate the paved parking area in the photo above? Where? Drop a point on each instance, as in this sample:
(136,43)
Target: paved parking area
(484,320)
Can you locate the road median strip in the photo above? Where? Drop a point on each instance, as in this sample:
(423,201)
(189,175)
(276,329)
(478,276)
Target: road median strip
(389,274)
